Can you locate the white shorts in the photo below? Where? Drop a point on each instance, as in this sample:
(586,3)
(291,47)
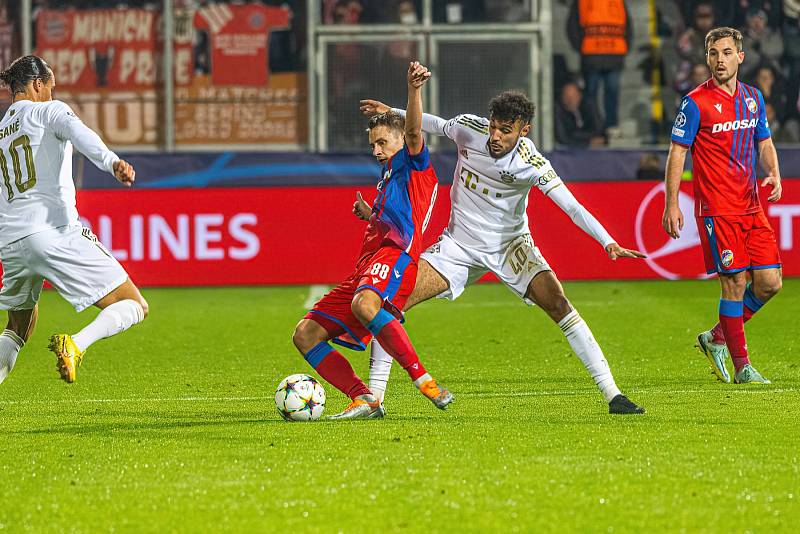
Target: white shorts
(69,257)
(516,266)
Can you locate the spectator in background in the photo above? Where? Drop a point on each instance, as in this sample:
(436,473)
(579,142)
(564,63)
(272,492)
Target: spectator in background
(691,44)
(788,132)
(768,82)
(601,31)
(458,11)
(791,40)
(577,122)
(698,74)
(761,44)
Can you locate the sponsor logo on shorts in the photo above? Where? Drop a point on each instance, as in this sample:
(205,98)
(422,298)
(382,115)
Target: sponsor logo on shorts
(727,258)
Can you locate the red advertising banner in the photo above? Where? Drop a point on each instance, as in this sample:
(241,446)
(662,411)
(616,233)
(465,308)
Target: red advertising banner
(308,235)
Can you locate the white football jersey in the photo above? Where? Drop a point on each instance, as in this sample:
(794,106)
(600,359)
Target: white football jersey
(490,196)
(38,192)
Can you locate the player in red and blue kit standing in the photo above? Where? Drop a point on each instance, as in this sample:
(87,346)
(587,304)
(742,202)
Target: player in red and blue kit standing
(367,304)
(724,123)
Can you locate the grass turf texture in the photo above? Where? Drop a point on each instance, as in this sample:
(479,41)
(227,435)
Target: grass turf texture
(172,426)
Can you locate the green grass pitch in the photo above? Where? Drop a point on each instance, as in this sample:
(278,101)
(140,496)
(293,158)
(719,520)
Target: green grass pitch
(172,426)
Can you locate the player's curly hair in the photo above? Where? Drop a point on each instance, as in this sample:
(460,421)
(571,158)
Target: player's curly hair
(23,71)
(390,119)
(721,33)
(509,106)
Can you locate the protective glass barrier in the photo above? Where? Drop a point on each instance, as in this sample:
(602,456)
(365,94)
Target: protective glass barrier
(358,70)
(471,73)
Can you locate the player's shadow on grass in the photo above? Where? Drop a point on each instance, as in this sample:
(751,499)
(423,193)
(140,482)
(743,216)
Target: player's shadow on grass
(154,427)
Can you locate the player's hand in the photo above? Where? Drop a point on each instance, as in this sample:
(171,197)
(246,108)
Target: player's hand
(777,188)
(361,209)
(418,74)
(672,221)
(615,251)
(373,107)
(124,173)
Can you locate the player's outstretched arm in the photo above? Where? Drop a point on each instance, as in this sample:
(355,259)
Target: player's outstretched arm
(432,124)
(672,221)
(587,222)
(417,76)
(768,159)
(68,126)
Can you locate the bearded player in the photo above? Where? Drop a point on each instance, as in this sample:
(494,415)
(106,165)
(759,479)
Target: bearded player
(724,123)
(41,237)
(367,303)
(489,230)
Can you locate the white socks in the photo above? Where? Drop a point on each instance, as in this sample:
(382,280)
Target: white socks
(586,348)
(380,365)
(578,335)
(10,345)
(112,320)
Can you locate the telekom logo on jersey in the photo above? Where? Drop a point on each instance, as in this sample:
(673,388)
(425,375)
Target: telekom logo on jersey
(200,236)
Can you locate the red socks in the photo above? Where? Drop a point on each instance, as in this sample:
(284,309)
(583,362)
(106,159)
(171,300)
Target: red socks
(732,322)
(335,368)
(394,339)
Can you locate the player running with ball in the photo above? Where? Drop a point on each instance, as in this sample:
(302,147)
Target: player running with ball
(724,122)
(41,237)
(489,230)
(366,304)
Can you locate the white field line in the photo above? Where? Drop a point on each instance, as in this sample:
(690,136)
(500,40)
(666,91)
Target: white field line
(469,394)
(315,292)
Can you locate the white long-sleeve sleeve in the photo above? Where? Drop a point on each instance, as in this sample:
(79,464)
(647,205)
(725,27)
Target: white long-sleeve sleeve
(430,123)
(69,127)
(565,200)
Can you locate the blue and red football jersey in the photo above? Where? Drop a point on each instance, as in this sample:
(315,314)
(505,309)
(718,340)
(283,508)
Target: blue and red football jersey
(404,204)
(723,132)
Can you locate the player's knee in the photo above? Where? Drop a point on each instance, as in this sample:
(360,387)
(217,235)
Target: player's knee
(304,337)
(365,305)
(771,288)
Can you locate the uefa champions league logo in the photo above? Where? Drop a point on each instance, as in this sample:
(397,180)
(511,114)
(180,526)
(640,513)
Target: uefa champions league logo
(680,120)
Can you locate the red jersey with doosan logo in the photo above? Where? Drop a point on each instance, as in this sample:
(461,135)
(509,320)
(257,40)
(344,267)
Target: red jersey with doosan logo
(723,132)
(239,36)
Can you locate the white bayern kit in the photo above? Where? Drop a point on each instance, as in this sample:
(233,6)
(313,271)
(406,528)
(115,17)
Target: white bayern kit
(488,228)
(41,237)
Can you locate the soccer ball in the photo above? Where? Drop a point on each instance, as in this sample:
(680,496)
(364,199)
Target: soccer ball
(300,398)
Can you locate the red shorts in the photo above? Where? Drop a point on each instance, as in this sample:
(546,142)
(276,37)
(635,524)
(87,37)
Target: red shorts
(735,243)
(390,272)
